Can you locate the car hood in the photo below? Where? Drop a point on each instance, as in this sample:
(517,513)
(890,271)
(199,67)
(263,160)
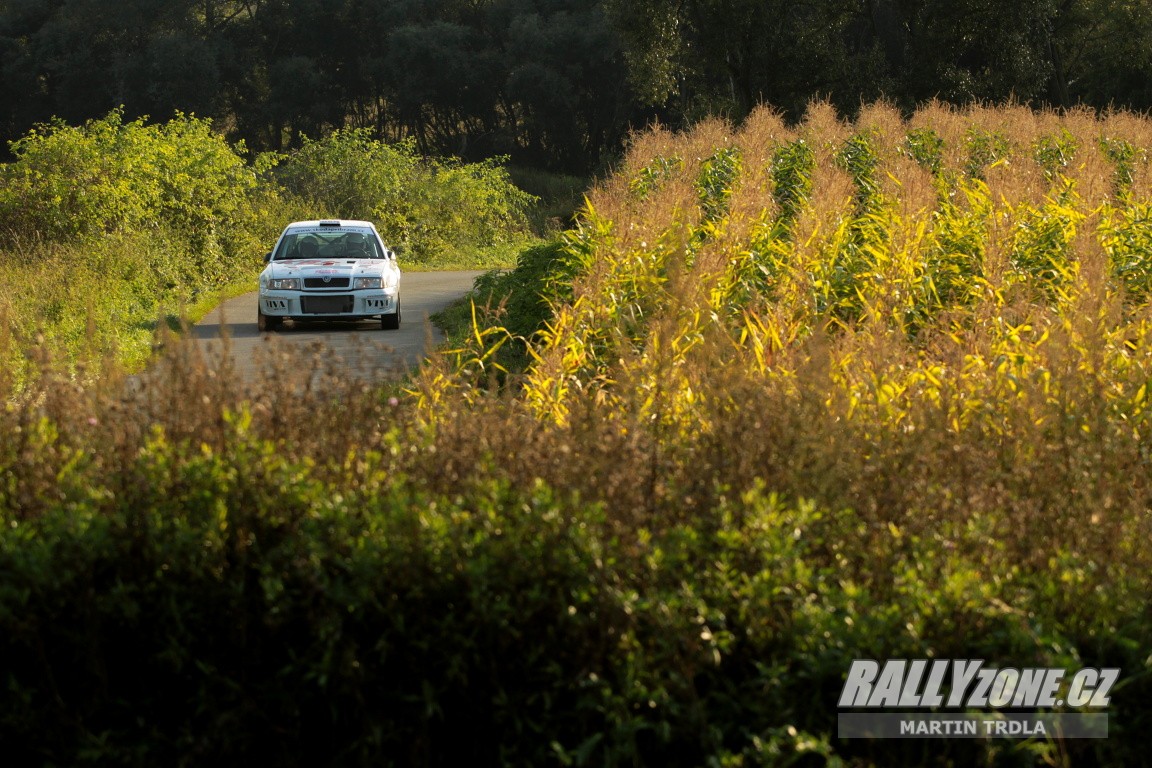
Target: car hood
(327,267)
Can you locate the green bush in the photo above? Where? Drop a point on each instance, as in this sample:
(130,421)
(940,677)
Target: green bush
(199,602)
(109,176)
(432,209)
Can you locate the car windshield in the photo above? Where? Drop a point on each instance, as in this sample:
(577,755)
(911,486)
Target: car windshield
(328,243)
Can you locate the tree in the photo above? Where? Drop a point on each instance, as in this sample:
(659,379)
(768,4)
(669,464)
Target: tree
(727,56)
(557,83)
(566,84)
(1102,54)
(964,50)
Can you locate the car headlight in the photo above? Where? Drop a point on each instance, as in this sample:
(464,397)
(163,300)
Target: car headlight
(284,284)
(366,282)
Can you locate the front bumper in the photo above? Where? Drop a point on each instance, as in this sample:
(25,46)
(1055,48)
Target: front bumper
(327,306)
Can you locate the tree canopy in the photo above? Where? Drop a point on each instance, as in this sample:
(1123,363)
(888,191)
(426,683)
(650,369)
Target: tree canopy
(553,83)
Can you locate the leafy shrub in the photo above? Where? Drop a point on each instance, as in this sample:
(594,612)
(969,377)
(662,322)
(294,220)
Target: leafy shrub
(430,208)
(109,176)
(110,227)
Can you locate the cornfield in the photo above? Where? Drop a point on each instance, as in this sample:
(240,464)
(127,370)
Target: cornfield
(938,323)
(970,287)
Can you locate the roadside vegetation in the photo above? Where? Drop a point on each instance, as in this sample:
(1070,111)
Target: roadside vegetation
(112,228)
(796,394)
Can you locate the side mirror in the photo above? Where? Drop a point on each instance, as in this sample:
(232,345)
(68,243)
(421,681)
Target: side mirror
(268,257)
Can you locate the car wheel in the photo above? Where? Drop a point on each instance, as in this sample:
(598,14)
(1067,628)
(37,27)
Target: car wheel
(266,323)
(391,322)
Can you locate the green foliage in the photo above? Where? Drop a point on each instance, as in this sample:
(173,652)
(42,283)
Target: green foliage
(429,209)
(518,301)
(727,57)
(926,147)
(1055,153)
(109,176)
(1043,249)
(955,264)
(858,157)
(967,51)
(266,600)
(984,149)
(109,226)
(664,541)
(1123,155)
(560,196)
(227,610)
(718,177)
(792,166)
(654,174)
(1127,239)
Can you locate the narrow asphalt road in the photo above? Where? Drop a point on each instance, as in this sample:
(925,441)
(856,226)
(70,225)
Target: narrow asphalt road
(363,347)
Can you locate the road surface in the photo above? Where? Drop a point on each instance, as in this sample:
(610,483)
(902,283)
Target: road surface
(363,346)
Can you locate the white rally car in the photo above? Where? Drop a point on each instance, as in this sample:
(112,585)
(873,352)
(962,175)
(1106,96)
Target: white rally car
(329,270)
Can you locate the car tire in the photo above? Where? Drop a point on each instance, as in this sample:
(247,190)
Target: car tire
(391,322)
(266,323)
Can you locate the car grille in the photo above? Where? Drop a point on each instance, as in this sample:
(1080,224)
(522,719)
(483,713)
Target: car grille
(326,305)
(319,282)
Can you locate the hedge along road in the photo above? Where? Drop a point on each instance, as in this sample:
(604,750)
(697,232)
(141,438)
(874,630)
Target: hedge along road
(363,347)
